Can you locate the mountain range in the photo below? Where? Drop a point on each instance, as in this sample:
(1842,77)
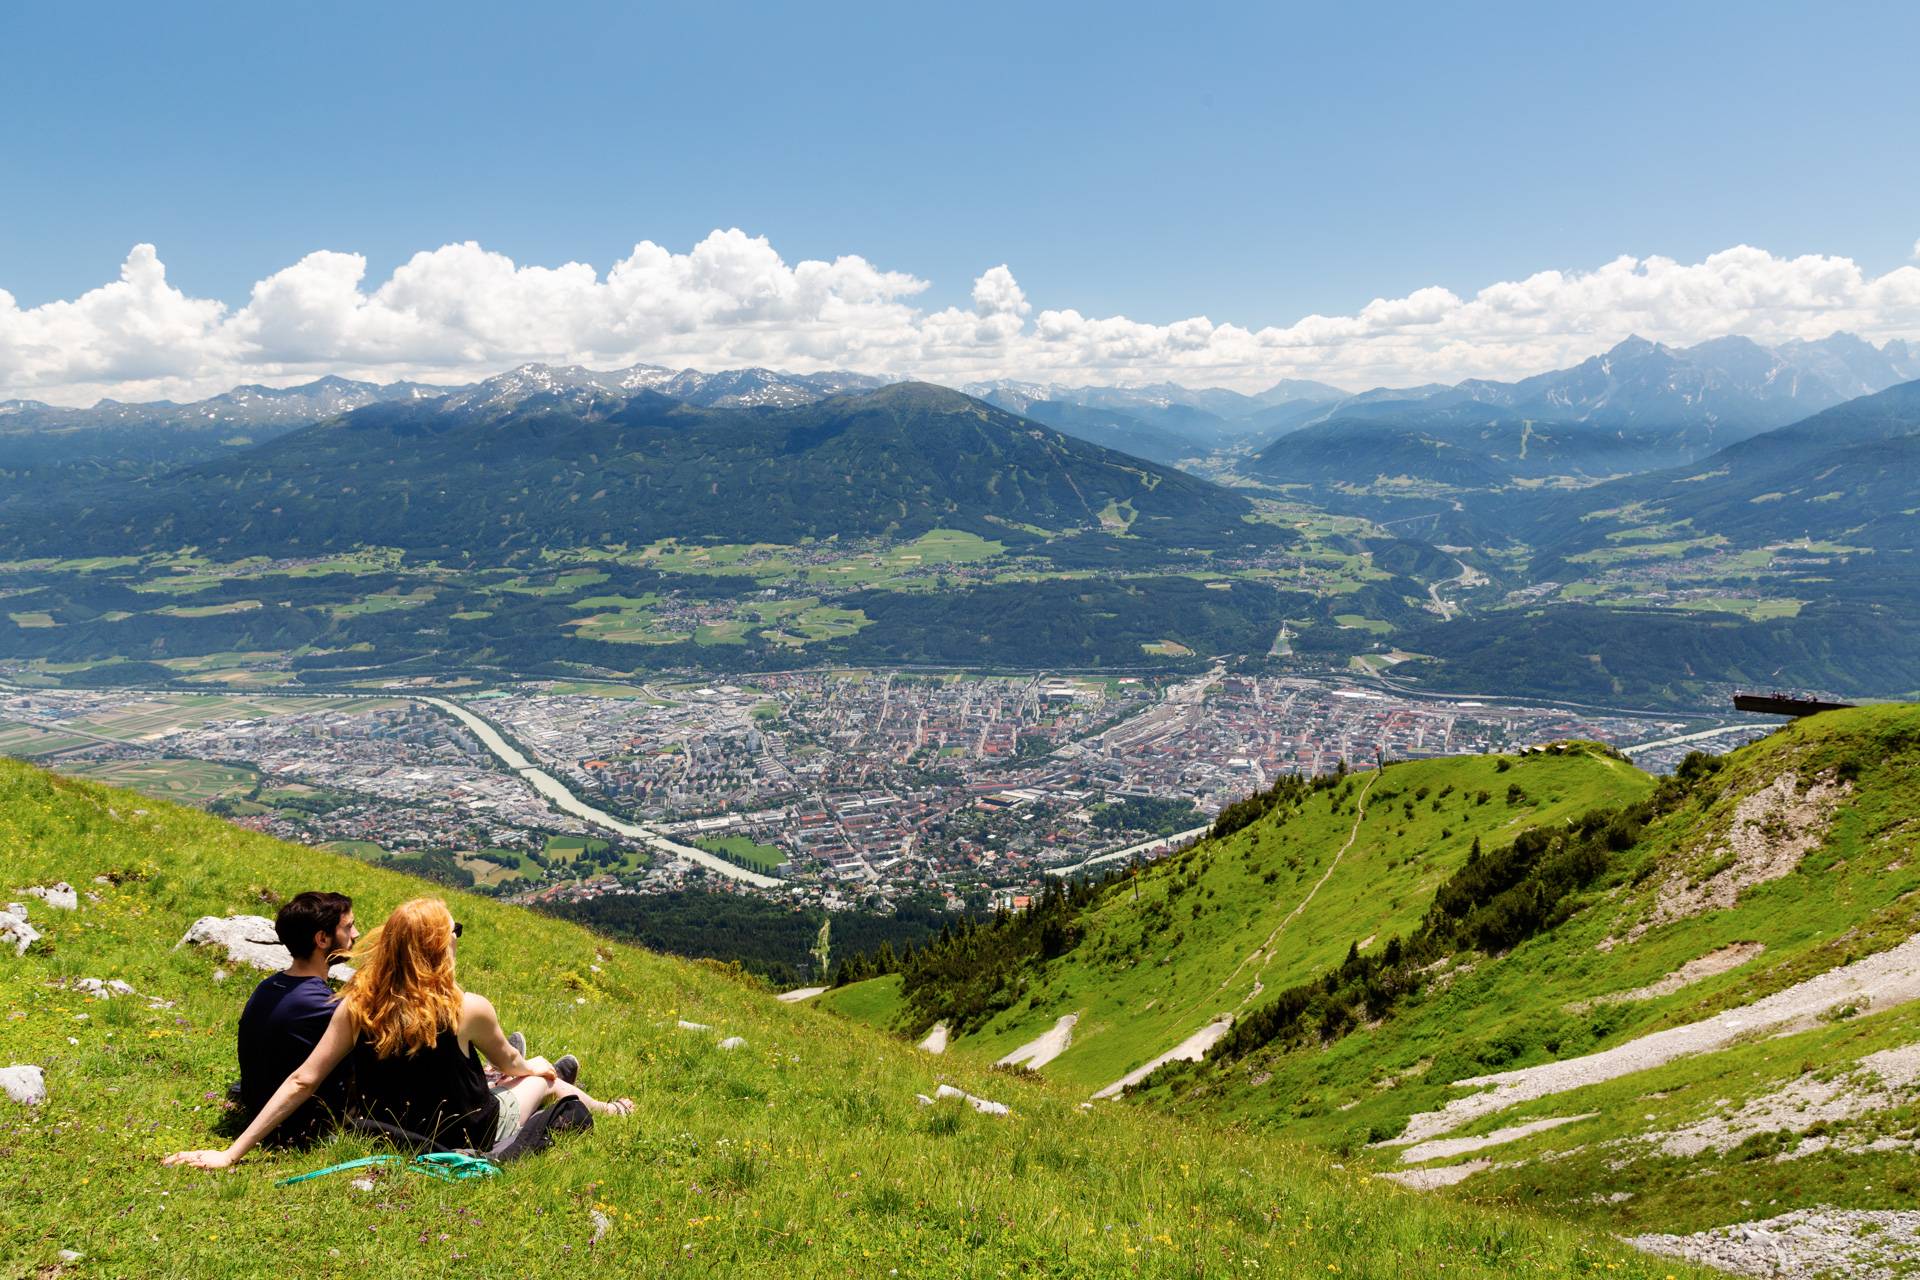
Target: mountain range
(1728,387)
(1845,475)
(1702,396)
(1640,407)
(535,460)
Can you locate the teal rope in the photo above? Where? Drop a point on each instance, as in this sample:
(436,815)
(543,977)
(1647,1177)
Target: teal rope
(447,1166)
(452,1166)
(337,1168)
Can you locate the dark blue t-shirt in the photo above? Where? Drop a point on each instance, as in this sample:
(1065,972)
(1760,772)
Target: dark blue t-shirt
(284,1019)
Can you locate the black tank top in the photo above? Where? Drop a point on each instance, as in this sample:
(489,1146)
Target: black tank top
(440,1093)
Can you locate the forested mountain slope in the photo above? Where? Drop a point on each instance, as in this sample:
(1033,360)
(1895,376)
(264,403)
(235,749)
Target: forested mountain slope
(561,471)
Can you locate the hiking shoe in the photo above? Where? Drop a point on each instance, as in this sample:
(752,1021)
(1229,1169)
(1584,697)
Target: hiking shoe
(519,1042)
(567,1068)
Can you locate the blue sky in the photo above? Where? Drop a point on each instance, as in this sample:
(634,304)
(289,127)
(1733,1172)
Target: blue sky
(1252,164)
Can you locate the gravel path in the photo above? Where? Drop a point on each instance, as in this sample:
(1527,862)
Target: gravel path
(1192,1049)
(1038,1052)
(799,993)
(1446,1148)
(1428,1179)
(936,1041)
(1879,981)
(1862,1244)
(1879,1082)
(1731,956)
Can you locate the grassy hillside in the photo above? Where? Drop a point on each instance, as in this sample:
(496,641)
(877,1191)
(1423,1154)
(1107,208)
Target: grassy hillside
(1706,1009)
(1209,932)
(803,1153)
(1790,1114)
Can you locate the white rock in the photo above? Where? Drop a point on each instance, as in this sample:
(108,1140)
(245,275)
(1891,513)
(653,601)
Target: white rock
(69,1255)
(15,929)
(982,1105)
(361,1184)
(219,975)
(923,1099)
(340,972)
(59,895)
(601,1225)
(684,1025)
(101,990)
(248,940)
(733,1042)
(26,1085)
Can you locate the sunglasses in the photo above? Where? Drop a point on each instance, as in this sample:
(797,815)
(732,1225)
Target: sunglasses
(456,928)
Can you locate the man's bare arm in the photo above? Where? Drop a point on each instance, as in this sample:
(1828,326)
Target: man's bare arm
(334,1046)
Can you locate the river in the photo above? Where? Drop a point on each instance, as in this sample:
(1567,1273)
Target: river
(565,800)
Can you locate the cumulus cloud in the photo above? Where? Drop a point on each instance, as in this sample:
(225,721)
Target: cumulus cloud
(461,312)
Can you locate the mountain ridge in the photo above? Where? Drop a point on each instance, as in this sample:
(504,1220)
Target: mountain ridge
(613,469)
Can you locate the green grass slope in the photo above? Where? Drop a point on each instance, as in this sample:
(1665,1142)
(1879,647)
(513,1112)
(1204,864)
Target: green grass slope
(1784,1117)
(1210,931)
(801,1154)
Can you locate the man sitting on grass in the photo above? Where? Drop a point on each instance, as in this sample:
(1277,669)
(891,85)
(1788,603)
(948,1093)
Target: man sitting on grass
(288,1013)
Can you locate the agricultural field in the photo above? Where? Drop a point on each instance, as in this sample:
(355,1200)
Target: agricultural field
(615,612)
(485,867)
(31,742)
(745,852)
(194,782)
(365,850)
(570,848)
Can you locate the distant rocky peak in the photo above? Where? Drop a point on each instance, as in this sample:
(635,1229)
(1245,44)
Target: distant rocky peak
(1632,347)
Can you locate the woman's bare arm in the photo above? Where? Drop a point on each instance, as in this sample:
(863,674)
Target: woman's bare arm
(480,1026)
(335,1044)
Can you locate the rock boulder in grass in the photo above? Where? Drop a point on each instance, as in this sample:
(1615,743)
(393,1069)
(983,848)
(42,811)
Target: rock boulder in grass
(26,1085)
(60,896)
(984,1106)
(15,930)
(248,940)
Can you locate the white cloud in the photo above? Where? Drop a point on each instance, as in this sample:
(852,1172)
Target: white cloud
(461,312)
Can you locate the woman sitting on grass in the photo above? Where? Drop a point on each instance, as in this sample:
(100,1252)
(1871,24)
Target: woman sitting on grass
(413,1033)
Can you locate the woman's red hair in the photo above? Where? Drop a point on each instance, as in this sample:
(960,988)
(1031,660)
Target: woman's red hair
(403,993)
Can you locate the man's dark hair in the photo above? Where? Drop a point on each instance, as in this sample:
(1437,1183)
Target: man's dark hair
(307,914)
